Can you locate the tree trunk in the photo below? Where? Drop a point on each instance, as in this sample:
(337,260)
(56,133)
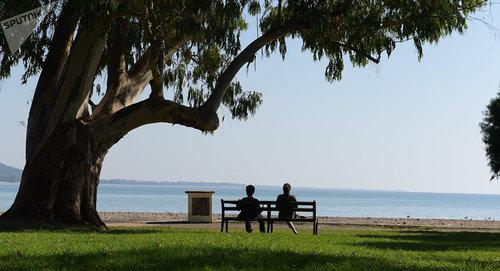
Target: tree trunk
(63,164)
(59,183)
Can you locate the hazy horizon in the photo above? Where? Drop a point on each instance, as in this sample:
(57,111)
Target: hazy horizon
(222,184)
(400,125)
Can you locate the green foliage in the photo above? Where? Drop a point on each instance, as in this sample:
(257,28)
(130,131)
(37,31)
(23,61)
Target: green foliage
(169,248)
(240,103)
(209,35)
(490,129)
(363,28)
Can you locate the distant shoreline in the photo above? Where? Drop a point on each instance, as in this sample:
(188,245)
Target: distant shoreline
(11,175)
(224,184)
(137,182)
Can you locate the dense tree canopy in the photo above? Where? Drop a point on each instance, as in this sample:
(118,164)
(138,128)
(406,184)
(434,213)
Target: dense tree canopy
(186,49)
(200,38)
(490,128)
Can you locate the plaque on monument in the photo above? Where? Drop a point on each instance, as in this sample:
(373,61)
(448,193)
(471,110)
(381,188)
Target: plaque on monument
(200,206)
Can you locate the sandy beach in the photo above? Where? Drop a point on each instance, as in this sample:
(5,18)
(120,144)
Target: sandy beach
(173,219)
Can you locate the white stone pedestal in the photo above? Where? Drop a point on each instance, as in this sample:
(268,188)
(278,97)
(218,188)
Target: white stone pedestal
(200,206)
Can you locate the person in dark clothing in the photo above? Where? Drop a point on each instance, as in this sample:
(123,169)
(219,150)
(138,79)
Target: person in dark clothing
(285,205)
(250,210)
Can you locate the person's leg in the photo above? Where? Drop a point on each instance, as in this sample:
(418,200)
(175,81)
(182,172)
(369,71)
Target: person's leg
(262,225)
(291,226)
(248,226)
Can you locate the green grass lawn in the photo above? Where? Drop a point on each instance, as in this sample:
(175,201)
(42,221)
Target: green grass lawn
(206,249)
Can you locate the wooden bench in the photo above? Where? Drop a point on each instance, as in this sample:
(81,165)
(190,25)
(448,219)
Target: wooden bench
(268,207)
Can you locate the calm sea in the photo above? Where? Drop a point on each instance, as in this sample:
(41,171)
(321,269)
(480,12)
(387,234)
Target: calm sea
(331,202)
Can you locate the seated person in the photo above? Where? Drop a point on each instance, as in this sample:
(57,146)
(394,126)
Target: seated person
(285,205)
(250,210)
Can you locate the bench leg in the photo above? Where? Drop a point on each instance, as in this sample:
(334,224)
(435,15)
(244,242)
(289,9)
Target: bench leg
(222,225)
(227,224)
(316,227)
(268,225)
(272,226)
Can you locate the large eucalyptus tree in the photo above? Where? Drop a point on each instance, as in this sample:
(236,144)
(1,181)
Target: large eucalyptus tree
(190,48)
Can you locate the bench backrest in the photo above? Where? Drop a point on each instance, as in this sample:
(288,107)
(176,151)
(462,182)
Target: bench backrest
(270,206)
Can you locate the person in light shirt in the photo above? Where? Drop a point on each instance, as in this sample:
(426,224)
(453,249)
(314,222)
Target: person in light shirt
(285,204)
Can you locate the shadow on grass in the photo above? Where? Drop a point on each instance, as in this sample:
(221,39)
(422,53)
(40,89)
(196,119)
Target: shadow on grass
(434,241)
(87,230)
(206,258)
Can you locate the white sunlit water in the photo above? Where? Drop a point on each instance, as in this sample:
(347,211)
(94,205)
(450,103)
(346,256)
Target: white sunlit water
(331,202)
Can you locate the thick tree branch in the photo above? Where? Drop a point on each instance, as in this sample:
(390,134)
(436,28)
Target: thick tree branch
(140,70)
(117,67)
(128,89)
(109,130)
(157,64)
(53,66)
(76,81)
(134,84)
(247,55)
(117,72)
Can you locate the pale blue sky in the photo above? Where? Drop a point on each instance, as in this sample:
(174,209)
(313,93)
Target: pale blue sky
(402,124)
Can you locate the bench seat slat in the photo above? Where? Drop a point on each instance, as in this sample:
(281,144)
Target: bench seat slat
(303,209)
(232,209)
(230,201)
